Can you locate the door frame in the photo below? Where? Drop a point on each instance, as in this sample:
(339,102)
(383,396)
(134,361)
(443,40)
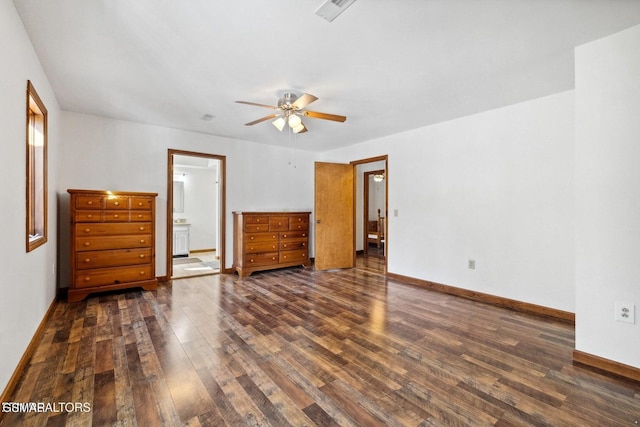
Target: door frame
(221,251)
(355,163)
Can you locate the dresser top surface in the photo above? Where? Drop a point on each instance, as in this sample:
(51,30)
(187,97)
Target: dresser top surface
(283,212)
(111,193)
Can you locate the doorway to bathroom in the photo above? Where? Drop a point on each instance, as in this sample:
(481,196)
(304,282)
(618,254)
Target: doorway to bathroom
(195,214)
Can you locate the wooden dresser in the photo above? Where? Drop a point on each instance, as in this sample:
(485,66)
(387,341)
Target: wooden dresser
(268,240)
(112,241)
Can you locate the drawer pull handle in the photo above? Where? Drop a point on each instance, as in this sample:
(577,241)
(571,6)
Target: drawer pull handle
(285,257)
(116,216)
(86,279)
(139,216)
(89,216)
(142,273)
(142,256)
(284,246)
(87,243)
(252,237)
(139,203)
(303,244)
(141,240)
(284,235)
(141,228)
(86,230)
(117,203)
(273,258)
(87,260)
(89,202)
(251,260)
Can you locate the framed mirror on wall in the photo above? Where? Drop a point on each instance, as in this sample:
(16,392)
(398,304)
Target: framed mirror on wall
(178,196)
(36,234)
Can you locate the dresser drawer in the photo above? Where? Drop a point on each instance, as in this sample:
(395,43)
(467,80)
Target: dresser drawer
(278,223)
(115,216)
(110,229)
(256,228)
(298,222)
(97,243)
(255,247)
(112,276)
(291,256)
(260,259)
(117,202)
(112,258)
(256,219)
(287,245)
(141,203)
(88,216)
(89,202)
(294,235)
(260,237)
(140,216)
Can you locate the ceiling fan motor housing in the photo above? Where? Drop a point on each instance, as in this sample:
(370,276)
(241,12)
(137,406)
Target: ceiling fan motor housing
(285,103)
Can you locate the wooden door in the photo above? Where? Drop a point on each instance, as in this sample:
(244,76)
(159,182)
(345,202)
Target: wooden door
(334,216)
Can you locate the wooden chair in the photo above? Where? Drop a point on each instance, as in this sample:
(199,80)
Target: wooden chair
(375,232)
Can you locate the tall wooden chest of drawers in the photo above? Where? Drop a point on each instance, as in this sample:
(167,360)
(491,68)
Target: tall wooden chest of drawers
(112,241)
(268,240)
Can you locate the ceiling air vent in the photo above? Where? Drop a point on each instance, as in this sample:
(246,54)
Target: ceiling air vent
(330,9)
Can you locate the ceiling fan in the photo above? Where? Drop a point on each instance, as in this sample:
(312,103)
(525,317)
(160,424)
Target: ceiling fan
(291,110)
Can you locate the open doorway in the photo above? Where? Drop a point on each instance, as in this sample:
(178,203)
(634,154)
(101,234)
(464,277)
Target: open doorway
(371,210)
(374,207)
(195,214)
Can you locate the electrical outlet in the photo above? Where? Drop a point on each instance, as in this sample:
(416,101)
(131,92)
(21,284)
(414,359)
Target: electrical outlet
(625,312)
(472,264)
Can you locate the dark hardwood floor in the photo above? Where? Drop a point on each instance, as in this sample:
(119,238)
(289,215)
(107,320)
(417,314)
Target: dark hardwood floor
(298,347)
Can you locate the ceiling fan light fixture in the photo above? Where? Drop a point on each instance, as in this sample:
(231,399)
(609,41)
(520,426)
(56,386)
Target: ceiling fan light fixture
(299,128)
(294,121)
(279,123)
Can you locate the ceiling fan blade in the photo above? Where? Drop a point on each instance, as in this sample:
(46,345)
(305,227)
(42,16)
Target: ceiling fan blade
(270,116)
(257,105)
(324,116)
(303,101)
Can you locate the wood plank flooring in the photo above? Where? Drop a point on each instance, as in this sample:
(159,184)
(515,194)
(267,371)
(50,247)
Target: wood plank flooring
(297,347)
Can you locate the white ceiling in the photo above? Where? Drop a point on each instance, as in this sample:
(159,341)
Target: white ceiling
(389,66)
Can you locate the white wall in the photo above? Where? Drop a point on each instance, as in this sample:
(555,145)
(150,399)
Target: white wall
(118,155)
(28,283)
(200,205)
(608,195)
(496,187)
